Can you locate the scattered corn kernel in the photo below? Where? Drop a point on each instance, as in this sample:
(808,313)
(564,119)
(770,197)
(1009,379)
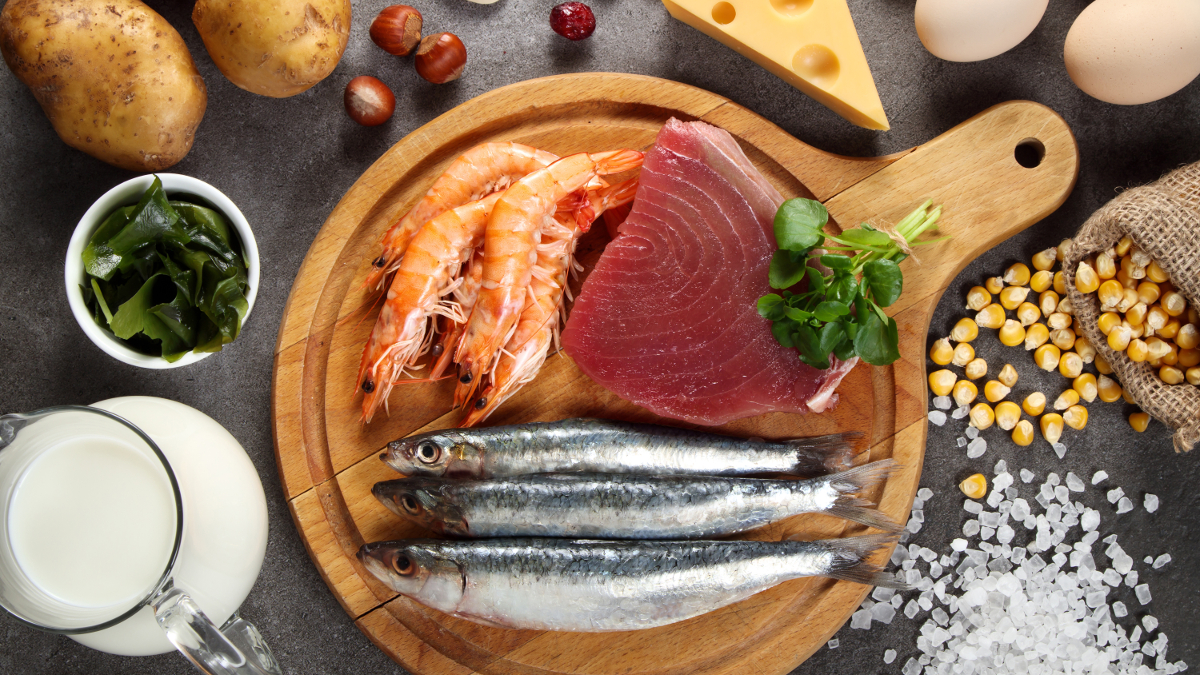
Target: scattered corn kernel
(1028,313)
(1139,421)
(1086,386)
(976,369)
(1048,302)
(995,391)
(1188,337)
(1136,315)
(1066,399)
(1118,338)
(1173,303)
(982,416)
(1134,331)
(1052,427)
(994,285)
(974,487)
(1061,251)
(991,316)
(1156,348)
(1017,275)
(1008,375)
(978,298)
(1047,357)
(1169,331)
(965,330)
(1076,417)
(1155,273)
(1126,280)
(1110,294)
(941,382)
(1193,316)
(1084,349)
(1044,260)
(1036,336)
(1060,283)
(963,354)
(1124,245)
(1034,404)
(1107,389)
(1007,415)
(1137,351)
(1169,374)
(1131,269)
(1086,280)
(1022,435)
(1012,296)
(1012,333)
(1108,321)
(1148,292)
(1058,321)
(1157,317)
(965,392)
(1129,298)
(1172,357)
(1041,281)
(1070,365)
(1189,358)
(1102,365)
(1140,257)
(941,352)
(1105,267)
(1192,375)
(1063,338)
(1127,397)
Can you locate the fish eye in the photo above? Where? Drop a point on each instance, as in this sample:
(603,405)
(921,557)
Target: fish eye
(428,452)
(403,565)
(409,503)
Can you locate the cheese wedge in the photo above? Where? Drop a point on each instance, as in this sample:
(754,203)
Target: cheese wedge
(811,44)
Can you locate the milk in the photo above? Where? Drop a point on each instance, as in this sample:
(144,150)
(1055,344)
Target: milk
(91,522)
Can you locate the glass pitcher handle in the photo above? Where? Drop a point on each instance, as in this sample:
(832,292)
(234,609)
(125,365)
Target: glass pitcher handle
(236,649)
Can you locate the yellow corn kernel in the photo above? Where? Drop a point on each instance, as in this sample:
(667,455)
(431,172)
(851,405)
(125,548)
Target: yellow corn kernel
(1107,389)
(1008,375)
(1022,435)
(1058,321)
(974,487)
(1148,292)
(995,391)
(1155,273)
(1193,316)
(1124,245)
(941,382)
(1170,375)
(1118,338)
(1061,251)
(1087,387)
(976,369)
(1076,417)
(1157,348)
(982,416)
(963,354)
(1086,279)
(1188,337)
(1157,317)
(1012,333)
(1028,313)
(1126,280)
(1108,321)
(1060,283)
(1084,349)
(1126,397)
(1066,399)
(1063,338)
(1169,331)
(1136,315)
(1017,275)
(1065,307)
(1034,404)
(1044,260)
(1128,300)
(965,330)
(1007,415)
(1052,427)
(1110,294)
(1012,296)
(1140,257)
(1133,270)
(1189,358)
(1192,375)
(1173,303)
(1102,365)
(965,392)
(978,298)
(1105,267)
(1047,357)
(1036,336)
(1137,351)
(941,352)
(1048,302)
(1172,357)
(1041,281)
(991,316)
(994,285)
(1134,331)
(1139,421)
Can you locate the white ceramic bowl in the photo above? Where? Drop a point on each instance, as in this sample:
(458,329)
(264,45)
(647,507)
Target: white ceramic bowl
(127,194)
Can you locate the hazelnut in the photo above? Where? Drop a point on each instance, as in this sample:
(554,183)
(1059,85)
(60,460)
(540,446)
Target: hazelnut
(397,29)
(369,101)
(441,57)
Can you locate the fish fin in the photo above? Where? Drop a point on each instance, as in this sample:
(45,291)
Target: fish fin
(862,511)
(838,449)
(863,477)
(850,560)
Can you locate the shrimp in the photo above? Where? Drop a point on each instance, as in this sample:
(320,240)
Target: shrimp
(537,328)
(401,334)
(480,171)
(510,251)
(465,296)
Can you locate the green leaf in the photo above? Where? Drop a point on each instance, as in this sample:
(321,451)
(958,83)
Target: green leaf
(184,279)
(816,280)
(131,315)
(845,350)
(867,238)
(885,281)
(831,336)
(786,271)
(196,217)
(877,342)
(151,221)
(844,289)
(99,298)
(798,224)
(831,310)
(809,344)
(771,306)
(99,260)
(782,330)
(798,315)
(223,301)
(837,262)
(179,317)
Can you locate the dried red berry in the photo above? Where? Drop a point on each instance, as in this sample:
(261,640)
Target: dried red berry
(573,20)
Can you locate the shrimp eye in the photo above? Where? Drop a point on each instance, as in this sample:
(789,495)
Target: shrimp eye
(481,403)
(368,386)
(379,262)
(409,503)
(436,350)
(428,453)
(403,565)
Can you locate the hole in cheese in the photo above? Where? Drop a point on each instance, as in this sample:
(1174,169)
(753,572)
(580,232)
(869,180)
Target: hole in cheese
(792,7)
(1029,153)
(817,64)
(723,13)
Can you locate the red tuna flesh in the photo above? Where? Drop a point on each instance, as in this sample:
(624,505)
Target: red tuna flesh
(668,317)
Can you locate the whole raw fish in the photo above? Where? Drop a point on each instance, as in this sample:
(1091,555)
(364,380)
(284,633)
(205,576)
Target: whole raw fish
(623,506)
(610,446)
(594,586)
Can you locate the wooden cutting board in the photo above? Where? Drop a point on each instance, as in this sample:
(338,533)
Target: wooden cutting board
(328,460)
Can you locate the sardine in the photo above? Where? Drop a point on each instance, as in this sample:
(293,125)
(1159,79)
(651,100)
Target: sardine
(609,446)
(622,506)
(595,586)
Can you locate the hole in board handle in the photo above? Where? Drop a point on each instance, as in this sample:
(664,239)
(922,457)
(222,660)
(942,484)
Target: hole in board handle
(1029,153)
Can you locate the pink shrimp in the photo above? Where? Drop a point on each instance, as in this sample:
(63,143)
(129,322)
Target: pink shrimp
(527,349)
(465,296)
(510,251)
(480,171)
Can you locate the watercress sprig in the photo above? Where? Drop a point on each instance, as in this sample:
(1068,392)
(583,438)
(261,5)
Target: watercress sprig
(839,313)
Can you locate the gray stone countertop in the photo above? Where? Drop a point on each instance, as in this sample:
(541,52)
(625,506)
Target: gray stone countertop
(287,162)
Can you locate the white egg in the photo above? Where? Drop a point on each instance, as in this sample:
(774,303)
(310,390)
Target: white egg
(974,30)
(1132,52)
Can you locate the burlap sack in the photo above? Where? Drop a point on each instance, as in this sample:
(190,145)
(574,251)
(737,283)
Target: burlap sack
(1163,219)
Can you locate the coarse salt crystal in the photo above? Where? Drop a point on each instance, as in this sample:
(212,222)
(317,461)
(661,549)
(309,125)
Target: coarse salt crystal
(889,655)
(1161,561)
(1001,467)
(972,433)
(937,417)
(1119,610)
(958,544)
(833,644)
(1099,477)
(883,612)
(1131,579)
(1075,483)
(1027,476)
(1142,591)
(960,442)
(960,412)
(861,619)
(1115,494)
(1150,623)
(1125,505)
(924,494)
(976,448)
(941,402)
(1151,503)
(1060,449)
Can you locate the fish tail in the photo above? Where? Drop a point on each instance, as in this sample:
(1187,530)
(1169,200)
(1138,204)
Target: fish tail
(862,511)
(850,560)
(832,453)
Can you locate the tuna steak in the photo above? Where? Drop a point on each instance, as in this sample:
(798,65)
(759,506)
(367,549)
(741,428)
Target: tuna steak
(668,317)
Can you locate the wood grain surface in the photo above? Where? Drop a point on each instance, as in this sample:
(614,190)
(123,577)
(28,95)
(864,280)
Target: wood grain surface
(327,459)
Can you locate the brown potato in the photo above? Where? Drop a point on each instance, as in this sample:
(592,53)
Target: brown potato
(275,48)
(115,79)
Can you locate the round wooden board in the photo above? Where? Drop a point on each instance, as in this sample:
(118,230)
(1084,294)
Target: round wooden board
(327,459)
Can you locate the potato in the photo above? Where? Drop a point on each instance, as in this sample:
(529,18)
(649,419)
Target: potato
(275,48)
(115,79)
